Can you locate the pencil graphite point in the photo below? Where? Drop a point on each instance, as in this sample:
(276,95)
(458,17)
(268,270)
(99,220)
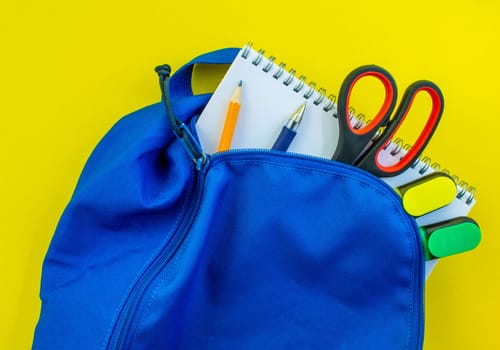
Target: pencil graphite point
(237,93)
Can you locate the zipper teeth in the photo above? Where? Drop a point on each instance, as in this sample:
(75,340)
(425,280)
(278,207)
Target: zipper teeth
(324,162)
(418,297)
(270,151)
(162,259)
(421,294)
(181,232)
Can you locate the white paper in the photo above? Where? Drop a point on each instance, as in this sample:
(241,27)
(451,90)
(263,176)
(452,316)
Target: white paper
(267,104)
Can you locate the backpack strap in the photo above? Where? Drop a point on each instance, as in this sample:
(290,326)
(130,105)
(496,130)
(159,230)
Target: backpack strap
(180,83)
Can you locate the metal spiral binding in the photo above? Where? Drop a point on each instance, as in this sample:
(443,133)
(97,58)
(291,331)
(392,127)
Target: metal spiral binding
(269,64)
(398,145)
(280,71)
(289,78)
(301,83)
(425,163)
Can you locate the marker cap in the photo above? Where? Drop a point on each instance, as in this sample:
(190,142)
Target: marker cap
(452,237)
(428,193)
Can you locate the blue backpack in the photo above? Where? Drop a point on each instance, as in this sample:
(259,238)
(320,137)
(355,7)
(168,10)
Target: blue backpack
(165,247)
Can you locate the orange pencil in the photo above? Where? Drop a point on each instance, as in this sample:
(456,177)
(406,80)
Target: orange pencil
(231,118)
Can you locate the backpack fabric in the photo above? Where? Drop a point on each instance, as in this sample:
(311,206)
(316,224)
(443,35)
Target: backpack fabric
(253,249)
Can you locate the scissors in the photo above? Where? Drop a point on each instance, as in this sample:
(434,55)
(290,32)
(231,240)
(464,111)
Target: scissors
(355,143)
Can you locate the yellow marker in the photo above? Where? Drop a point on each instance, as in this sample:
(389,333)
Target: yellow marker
(428,193)
(231,118)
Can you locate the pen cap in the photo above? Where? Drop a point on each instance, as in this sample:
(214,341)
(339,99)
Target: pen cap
(428,193)
(452,237)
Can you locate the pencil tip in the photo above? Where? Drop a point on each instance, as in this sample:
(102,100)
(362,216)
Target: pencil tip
(241,83)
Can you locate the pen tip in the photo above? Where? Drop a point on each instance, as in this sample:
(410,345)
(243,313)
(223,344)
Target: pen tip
(299,113)
(302,107)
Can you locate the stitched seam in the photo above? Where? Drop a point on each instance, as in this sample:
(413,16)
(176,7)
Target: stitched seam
(396,206)
(167,271)
(170,268)
(144,268)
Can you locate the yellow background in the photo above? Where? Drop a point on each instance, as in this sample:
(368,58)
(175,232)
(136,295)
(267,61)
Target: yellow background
(69,71)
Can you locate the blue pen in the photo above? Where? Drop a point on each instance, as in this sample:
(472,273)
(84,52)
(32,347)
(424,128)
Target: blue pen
(289,130)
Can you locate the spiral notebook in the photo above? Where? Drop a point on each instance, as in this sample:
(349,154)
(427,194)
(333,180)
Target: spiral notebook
(271,94)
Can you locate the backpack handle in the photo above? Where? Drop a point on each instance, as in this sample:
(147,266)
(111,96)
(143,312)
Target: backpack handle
(179,88)
(180,82)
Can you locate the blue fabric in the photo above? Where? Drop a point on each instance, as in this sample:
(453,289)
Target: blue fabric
(261,250)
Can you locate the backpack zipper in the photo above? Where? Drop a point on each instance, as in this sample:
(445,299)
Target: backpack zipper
(417,338)
(119,336)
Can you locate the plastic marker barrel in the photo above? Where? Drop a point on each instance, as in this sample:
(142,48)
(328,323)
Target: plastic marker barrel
(450,237)
(428,193)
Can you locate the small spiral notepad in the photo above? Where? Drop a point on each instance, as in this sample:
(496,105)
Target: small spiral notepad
(271,94)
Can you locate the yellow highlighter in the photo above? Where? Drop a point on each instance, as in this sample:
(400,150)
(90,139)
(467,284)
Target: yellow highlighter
(428,193)
(231,118)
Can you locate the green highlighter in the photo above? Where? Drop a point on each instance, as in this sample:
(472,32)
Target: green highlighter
(450,237)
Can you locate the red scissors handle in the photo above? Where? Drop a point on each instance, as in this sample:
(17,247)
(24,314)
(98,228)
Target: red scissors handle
(353,140)
(370,160)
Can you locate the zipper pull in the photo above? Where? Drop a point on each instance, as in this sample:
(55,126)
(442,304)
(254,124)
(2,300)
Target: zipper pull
(181,131)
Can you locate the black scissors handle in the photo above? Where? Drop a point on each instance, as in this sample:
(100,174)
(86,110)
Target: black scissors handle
(352,139)
(370,160)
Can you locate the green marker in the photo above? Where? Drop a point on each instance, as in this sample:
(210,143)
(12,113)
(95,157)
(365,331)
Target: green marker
(450,237)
